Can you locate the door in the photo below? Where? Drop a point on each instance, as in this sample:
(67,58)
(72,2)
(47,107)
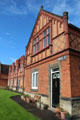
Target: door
(55,89)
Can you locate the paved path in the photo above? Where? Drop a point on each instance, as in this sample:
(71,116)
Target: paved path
(42,114)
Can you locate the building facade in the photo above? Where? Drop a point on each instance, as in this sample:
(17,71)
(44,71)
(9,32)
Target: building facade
(52,62)
(4,75)
(16,75)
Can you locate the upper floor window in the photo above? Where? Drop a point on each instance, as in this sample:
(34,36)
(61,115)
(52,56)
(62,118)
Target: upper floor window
(46,37)
(13,68)
(15,82)
(36,45)
(19,65)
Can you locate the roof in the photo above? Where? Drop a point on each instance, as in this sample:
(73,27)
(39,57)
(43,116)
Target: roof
(74,27)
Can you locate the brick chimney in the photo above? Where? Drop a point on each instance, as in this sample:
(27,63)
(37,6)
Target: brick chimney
(65,25)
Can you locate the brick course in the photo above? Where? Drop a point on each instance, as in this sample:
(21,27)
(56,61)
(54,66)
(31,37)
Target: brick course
(63,52)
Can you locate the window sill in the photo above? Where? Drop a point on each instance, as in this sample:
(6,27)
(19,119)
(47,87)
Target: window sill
(34,90)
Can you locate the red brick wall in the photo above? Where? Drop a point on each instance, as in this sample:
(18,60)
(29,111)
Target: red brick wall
(18,72)
(75,74)
(43,79)
(3,80)
(65,78)
(74,38)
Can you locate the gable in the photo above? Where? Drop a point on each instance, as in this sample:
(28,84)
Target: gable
(45,21)
(44,18)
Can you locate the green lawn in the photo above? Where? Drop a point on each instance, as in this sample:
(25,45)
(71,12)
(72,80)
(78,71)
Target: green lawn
(10,110)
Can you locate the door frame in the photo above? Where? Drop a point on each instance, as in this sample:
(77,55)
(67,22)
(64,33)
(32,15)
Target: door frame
(51,82)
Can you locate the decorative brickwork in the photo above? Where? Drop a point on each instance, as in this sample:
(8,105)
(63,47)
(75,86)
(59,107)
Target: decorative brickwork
(53,44)
(16,75)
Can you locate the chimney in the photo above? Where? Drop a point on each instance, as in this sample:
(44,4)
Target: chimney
(65,14)
(65,25)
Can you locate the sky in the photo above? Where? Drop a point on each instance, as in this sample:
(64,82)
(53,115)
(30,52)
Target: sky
(17,18)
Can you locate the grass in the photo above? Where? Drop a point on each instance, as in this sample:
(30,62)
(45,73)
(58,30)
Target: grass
(10,110)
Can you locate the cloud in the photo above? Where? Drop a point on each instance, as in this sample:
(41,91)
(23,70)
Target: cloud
(18,7)
(59,6)
(11,7)
(25,7)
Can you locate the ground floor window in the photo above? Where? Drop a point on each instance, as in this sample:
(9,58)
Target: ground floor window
(35,80)
(21,82)
(15,82)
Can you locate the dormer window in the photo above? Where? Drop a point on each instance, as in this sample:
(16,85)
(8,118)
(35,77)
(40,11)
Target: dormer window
(46,37)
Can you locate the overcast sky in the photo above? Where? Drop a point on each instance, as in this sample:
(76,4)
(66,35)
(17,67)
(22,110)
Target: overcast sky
(17,18)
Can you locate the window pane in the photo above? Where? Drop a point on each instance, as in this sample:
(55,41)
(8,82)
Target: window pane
(33,84)
(37,47)
(48,30)
(37,39)
(44,33)
(34,48)
(36,79)
(44,42)
(48,39)
(34,41)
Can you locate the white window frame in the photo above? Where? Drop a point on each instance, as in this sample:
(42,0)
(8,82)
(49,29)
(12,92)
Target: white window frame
(21,82)
(36,87)
(15,81)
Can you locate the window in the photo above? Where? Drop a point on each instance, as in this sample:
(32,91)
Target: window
(35,80)
(13,68)
(36,45)
(21,67)
(34,49)
(11,82)
(46,37)
(21,82)
(14,82)
(44,40)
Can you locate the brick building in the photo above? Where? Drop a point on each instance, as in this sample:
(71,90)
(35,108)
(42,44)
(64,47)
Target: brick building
(4,75)
(52,62)
(16,75)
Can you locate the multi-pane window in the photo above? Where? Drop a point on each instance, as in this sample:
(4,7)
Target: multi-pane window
(35,80)
(11,83)
(46,39)
(21,67)
(21,82)
(14,82)
(36,45)
(13,68)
